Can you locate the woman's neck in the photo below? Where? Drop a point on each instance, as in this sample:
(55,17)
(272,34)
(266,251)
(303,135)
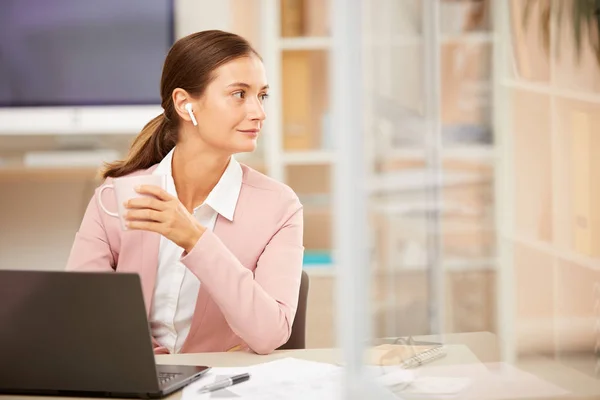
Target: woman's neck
(196,172)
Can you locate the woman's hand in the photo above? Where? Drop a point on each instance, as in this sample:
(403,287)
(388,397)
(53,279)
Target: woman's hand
(163,214)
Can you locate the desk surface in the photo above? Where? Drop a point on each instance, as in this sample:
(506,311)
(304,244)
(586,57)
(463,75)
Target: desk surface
(481,347)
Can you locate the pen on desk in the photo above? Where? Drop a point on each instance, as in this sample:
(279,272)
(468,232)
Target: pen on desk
(234,380)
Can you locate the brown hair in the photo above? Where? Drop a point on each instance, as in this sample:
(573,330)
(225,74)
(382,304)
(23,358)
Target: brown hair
(189,66)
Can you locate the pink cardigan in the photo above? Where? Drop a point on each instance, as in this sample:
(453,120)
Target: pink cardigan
(249,269)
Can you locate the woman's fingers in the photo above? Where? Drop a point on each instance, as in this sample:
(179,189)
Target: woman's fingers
(146,202)
(155,191)
(144,214)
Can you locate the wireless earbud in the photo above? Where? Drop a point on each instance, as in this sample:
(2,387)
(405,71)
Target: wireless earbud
(188,107)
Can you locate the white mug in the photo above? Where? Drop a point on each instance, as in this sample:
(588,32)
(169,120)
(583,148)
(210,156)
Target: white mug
(124,189)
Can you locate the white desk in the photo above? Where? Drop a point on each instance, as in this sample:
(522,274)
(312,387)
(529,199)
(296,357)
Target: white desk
(483,348)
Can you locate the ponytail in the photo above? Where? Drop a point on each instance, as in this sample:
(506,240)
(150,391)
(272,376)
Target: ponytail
(150,146)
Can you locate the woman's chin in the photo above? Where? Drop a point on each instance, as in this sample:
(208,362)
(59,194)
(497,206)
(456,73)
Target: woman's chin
(247,147)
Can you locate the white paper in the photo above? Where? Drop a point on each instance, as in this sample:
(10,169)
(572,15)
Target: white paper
(296,379)
(287,378)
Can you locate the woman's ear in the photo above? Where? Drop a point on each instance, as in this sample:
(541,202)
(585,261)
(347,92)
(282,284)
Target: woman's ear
(181,99)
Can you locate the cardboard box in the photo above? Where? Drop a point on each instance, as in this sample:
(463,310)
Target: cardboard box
(305,98)
(292,17)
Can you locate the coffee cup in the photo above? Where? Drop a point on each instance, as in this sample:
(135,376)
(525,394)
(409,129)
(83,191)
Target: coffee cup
(124,190)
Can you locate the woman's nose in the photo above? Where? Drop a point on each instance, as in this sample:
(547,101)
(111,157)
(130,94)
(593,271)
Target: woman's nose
(257,111)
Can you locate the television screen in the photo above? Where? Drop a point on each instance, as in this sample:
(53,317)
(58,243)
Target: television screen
(83,52)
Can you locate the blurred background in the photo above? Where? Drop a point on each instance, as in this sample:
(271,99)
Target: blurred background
(488,222)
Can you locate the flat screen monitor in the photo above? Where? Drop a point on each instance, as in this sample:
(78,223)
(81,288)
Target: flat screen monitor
(83,52)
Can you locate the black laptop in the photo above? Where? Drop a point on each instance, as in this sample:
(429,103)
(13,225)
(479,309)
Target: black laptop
(80,334)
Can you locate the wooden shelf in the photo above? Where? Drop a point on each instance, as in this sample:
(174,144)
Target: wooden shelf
(480,153)
(305,43)
(419,179)
(449,265)
(309,157)
(320,269)
(452,264)
(416,40)
(398,208)
(552,250)
(15,174)
(550,90)
(10,174)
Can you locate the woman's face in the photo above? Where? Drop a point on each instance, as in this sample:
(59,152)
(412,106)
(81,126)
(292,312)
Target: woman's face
(231,112)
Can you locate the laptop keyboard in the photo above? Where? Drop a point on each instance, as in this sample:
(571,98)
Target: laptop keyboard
(166,377)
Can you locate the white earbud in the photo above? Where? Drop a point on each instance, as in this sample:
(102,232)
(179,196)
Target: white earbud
(188,107)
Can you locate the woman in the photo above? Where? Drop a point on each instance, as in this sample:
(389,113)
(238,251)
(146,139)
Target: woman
(219,252)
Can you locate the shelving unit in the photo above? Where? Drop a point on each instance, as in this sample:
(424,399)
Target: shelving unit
(295,60)
(548,105)
(305,164)
(404,40)
(407,167)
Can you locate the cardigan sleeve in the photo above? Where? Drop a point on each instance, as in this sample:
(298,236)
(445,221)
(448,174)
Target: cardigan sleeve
(260,306)
(91,249)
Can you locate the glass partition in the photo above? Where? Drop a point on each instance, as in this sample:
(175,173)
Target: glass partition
(479,165)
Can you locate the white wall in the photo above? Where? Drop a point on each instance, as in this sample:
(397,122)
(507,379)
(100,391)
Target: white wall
(195,15)
(39,221)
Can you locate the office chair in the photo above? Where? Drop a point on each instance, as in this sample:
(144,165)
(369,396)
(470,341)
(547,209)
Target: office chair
(297,339)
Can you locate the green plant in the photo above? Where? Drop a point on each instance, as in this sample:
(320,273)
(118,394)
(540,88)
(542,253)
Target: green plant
(584,19)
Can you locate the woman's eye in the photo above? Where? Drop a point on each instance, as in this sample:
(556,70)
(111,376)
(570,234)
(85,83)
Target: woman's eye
(239,95)
(264,96)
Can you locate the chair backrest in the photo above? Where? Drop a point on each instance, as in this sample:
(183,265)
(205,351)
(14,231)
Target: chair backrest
(297,339)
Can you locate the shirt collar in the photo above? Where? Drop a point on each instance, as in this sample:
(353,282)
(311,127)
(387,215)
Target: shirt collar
(223,197)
